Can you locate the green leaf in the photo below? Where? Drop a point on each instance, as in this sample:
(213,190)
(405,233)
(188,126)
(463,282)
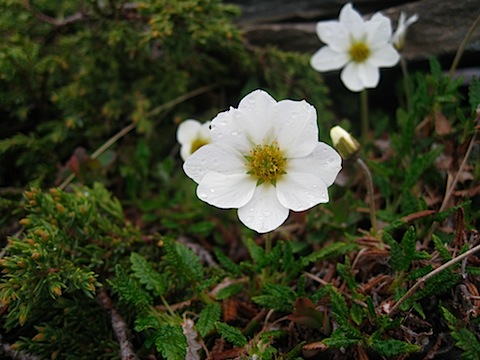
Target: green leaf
(277,297)
(231,334)
(474,94)
(129,290)
(419,165)
(229,291)
(147,275)
(338,340)
(227,263)
(357,313)
(330,251)
(184,260)
(171,342)
(257,253)
(441,248)
(209,315)
(393,347)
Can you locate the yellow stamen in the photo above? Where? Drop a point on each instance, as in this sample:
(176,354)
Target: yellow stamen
(359,51)
(266,163)
(197,144)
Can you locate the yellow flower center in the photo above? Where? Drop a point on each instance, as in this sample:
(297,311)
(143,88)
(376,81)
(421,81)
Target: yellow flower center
(266,163)
(197,144)
(359,52)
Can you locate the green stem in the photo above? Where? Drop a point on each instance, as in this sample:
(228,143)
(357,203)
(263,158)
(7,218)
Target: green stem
(268,243)
(406,83)
(369,182)
(462,46)
(364,114)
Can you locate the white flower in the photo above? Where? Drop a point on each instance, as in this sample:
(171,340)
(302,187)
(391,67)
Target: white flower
(264,159)
(398,37)
(192,135)
(360,47)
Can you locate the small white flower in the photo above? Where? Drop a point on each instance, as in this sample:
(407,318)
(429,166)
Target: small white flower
(398,37)
(359,47)
(192,135)
(264,159)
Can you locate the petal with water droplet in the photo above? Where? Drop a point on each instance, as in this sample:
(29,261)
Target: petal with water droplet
(324,162)
(263,213)
(226,191)
(210,157)
(300,192)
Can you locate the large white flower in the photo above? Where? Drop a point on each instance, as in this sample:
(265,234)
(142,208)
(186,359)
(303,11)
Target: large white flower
(398,37)
(359,47)
(264,159)
(192,135)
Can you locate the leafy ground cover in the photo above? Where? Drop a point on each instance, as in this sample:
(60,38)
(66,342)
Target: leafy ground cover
(108,253)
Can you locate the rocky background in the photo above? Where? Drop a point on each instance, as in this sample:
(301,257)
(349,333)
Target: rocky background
(442,25)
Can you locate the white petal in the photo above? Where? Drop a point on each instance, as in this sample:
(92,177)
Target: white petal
(301,191)
(385,56)
(379,30)
(296,128)
(257,121)
(369,75)
(263,213)
(351,19)
(226,191)
(211,157)
(227,129)
(188,130)
(326,59)
(185,151)
(250,124)
(334,34)
(204,132)
(350,77)
(324,162)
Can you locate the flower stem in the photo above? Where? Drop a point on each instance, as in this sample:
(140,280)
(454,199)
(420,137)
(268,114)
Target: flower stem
(268,243)
(364,114)
(462,46)
(369,182)
(406,83)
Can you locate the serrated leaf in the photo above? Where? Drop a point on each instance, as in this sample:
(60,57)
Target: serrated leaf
(209,315)
(332,250)
(231,334)
(257,253)
(441,248)
(171,342)
(393,347)
(276,296)
(227,263)
(147,275)
(338,340)
(229,291)
(130,290)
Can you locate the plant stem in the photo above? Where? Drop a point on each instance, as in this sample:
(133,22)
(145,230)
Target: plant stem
(406,83)
(431,274)
(364,114)
(132,126)
(453,184)
(462,46)
(268,243)
(369,183)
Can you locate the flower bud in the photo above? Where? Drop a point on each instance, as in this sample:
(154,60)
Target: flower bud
(343,142)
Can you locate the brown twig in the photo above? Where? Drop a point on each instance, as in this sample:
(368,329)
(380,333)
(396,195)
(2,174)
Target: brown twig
(453,184)
(120,328)
(432,273)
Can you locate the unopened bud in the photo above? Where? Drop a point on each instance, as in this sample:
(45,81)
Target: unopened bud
(343,142)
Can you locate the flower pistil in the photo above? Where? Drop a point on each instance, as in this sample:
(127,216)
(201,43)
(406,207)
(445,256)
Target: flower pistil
(359,51)
(266,163)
